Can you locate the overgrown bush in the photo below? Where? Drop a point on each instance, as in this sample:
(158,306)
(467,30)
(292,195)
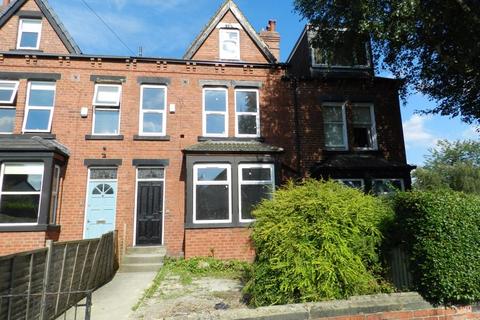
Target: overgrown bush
(442,232)
(316,241)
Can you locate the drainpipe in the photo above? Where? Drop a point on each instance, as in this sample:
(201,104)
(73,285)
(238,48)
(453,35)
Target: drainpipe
(298,140)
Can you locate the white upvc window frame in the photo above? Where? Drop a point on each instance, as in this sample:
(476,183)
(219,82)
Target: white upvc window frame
(14,92)
(401,180)
(256,114)
(362,181)
(241,182)
(162,112)
(372,125)
(206,113)
(223,37)
(2,175)
(164,180)
(52,219)
(343,147)
(211,183)
(45,85)
(114,106)
(21,30)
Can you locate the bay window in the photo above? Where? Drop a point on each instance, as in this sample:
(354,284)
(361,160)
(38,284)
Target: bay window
(215,112)
(387,186)
(247,113)
(335,126)
(8,93)
(353,183)
(256,182)
(153,106)
(212,199)
(40,106)
(106,102)
(364,132)
(21,188)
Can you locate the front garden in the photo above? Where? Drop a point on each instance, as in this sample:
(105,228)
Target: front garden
(320,241)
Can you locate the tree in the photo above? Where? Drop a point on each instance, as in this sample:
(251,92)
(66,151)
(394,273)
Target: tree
(434,45)
(452,165)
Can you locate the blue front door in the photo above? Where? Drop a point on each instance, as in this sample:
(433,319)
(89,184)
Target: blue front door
(101,208)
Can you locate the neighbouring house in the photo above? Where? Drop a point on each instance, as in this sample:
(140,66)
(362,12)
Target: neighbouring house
(176,152)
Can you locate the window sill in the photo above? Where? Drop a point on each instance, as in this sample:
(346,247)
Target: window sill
(203,139)
(29,228)
(43,135)
(230,225)
(98,137)
(151,138)
(20,50)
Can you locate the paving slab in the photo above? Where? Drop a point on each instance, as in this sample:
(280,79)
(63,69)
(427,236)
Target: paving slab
(115,299)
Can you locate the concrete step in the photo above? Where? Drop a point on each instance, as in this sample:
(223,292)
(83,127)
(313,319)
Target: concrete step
(140,267)
(142,258)
(147,250)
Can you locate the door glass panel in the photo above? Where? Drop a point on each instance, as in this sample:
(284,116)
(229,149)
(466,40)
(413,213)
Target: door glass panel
(151,173)
(212,202)
(103,174)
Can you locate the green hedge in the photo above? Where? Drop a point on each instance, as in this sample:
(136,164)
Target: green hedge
(442,232)
(316,241)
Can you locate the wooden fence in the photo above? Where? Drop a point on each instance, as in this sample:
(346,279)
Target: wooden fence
(43,284)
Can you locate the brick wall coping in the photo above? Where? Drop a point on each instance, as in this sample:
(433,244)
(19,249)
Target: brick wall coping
(408,305)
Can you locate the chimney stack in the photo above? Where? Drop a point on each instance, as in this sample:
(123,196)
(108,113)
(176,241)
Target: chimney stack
(4,5)
(272,38)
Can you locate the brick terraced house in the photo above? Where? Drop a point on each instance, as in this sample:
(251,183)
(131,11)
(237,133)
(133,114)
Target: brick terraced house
(176,152)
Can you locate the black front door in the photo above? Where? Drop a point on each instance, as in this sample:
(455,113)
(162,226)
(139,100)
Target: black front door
(149,212)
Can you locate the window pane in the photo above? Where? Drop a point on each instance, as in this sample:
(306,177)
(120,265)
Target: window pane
(253,195)
(246,101)
(212,174)
(6,91)
(7,120)
(257,174)
(103,174)
(247,124)
(357,184)
(54,198)
(230,44)
(19,208)
(29,40)
(38,119)
(22,182)
(151,173)
(215,124)
(41,97)
(362,137)
(215,100)
(334,135)
(332,114)
(107,95)
(106,122)
(212,202)
(362,115)
(387,186)
(152,122)
(153,98)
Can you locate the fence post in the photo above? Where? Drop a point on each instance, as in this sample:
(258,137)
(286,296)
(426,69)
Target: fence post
(46,279)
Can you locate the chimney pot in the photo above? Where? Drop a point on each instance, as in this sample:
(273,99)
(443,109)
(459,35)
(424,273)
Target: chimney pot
(272,26)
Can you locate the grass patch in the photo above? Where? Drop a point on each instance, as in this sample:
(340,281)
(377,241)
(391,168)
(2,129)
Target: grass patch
(195,268)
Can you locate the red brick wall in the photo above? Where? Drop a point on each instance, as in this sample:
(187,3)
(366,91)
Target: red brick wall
(233,243)
(49,40)
(13,242)
(249,52)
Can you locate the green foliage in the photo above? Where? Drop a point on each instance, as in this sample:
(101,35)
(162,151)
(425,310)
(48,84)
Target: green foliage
(316,241)
(452,165)
(190,269)
(442,232)
(421,41)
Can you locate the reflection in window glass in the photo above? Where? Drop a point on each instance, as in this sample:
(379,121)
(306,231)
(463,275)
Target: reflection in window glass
(7,120)
(247,113)
(348,52)
(212,174)
(215,112)
(153,114)
(353,183)
(256,183)
(29,34)
(334,126)
(229,44)
(8,91)
(363,127)
(106,122)
(387,186)
(40,105)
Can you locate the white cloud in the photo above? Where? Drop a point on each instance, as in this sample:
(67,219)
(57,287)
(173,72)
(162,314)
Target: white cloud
(471,133)
(416,133)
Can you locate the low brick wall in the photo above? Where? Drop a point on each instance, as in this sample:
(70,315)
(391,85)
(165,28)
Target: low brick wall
(227,243)
(401,306)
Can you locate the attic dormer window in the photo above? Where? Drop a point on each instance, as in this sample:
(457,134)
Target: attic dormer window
(348,51)
(29,32)
(229,44)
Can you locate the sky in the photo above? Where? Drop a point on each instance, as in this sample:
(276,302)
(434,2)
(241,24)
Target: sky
(165,28)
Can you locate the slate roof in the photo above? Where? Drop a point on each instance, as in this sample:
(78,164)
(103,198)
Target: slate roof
(52,18)
(229,5)
(230,146)
(20,143)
